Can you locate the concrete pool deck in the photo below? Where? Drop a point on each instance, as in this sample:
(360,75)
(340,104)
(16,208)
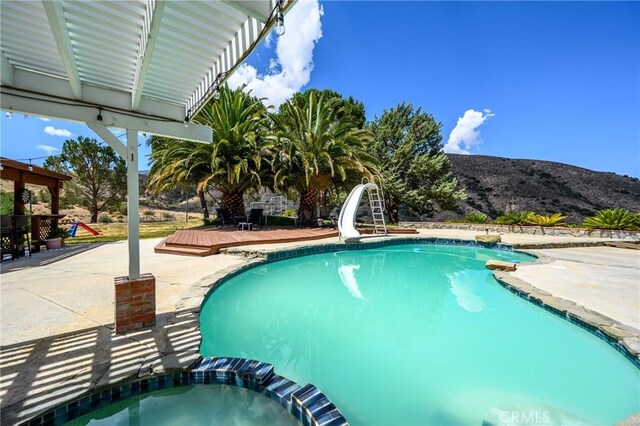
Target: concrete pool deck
(57,319)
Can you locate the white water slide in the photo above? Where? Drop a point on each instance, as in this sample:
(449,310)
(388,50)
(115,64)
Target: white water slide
(347,218)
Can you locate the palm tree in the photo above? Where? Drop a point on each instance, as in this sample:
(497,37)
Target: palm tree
(231,163)
(315,149)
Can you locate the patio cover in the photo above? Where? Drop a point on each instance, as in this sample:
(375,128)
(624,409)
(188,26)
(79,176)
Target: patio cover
(140,65)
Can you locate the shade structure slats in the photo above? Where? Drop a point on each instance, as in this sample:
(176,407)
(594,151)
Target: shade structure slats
(156,52)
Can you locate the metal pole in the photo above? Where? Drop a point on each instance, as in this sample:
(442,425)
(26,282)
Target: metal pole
(133,207)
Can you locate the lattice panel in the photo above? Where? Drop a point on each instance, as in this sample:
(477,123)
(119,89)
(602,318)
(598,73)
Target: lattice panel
(6,241)
(45,228)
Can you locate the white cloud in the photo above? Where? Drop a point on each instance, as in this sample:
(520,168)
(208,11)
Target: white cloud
(44,118)
(291,69)
(47,148)
(466,134)
(50,130)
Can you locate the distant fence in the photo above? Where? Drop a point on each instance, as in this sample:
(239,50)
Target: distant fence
(533,230)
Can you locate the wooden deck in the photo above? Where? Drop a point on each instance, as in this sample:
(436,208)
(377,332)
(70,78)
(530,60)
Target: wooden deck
(208,241)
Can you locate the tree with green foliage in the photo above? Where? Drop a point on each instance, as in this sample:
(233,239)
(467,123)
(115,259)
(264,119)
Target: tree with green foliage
(99,174)
(347,108)
(232,163)
(317,146)
(415,172)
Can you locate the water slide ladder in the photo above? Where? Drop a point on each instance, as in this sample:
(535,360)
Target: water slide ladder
(377,210)
(346,220)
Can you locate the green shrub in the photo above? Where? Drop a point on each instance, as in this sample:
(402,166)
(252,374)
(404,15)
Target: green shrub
(168,216)
(546,220)
(635,218)
(104,218)
(289,213)
(514,218)
(6,203)
(214,222)
(611,219)
(44,196)
(59,233)
(148,213)
(280,221)
(476,218)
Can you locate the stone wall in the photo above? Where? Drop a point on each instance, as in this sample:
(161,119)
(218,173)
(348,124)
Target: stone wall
(533,230)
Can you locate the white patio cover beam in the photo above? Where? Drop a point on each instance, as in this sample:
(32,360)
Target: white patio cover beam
(146,52)
(26,103)
(58,24)
(255,9)
(133,205)
(109,138)
(129,153)
(6,72)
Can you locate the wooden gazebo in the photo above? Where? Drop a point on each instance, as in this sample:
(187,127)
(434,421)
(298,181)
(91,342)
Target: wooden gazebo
(21,174)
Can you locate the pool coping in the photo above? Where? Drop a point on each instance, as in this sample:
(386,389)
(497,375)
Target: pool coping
(306,403)
(623,338)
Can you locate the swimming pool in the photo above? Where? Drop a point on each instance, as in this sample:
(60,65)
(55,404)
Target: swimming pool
(419,334)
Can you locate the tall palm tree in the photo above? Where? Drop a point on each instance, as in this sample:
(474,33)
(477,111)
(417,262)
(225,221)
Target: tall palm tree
(316,147)
(232,163)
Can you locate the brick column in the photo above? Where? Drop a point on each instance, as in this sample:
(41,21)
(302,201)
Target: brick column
(135,306)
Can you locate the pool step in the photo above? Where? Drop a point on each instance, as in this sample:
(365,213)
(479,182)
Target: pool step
(184,250)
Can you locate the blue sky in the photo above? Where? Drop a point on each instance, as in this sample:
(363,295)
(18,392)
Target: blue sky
(555,81)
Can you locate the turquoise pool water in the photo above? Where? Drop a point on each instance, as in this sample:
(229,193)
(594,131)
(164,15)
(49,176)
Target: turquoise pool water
(192,405)
(419,334)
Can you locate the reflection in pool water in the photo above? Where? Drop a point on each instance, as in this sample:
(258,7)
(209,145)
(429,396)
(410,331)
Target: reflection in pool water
(418,334)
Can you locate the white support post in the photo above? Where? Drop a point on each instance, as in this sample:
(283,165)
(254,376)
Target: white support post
(133,208)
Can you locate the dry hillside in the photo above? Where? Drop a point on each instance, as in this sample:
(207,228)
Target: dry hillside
(496,184)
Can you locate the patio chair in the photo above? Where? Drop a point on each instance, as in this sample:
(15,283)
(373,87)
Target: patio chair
(255,216)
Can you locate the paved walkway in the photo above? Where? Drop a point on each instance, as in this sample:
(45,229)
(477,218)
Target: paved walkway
(77,292)
(56,320)
(604,279)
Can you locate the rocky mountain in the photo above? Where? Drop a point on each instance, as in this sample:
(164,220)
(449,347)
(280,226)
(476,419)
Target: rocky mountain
(495,185)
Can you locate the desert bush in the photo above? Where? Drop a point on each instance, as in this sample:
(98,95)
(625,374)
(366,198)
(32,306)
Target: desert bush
(546,220)
(104,218)
(514,218)
(476,218)
(148,213)
(611,219)
(168,216)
